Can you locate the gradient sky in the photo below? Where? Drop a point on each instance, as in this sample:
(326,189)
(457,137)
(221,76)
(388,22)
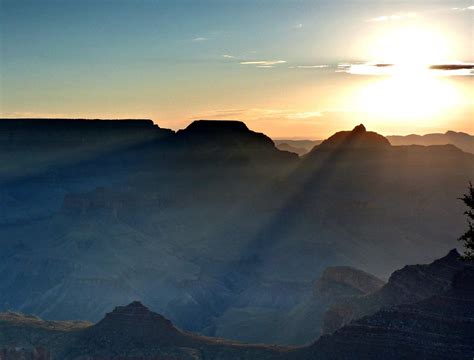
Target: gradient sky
(274,64)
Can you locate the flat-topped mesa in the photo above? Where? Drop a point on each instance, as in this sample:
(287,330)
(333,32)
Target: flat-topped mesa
(75,122)
(228,132)
(232,137)
(70,132)
(358,138)
(221,126)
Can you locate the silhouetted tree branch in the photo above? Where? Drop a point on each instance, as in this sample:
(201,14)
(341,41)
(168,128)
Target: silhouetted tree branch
(468,237)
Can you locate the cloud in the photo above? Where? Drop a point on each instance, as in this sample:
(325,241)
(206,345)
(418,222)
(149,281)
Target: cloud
(393,17)
(298,26)
(200,38)
(309,67)
(463,9)
(304,115)
(261,63)
(264,64)
(36,115)
(452,67)
(256,114)
(381,69)
(456,69)
(221,114)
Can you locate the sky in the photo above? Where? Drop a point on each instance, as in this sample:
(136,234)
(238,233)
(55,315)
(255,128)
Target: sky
(290,69)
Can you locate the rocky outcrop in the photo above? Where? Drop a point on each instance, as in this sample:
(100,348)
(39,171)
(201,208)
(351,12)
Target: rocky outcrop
(439,327)
(409,285)
(25,353)
(128,332)
(359,138)
(294,320)
(340,280)
(127,326)
(27,337)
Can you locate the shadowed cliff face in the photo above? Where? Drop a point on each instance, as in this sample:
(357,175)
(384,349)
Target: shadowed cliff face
(358,138)
(440,326)
(210,140)
(461,140)
(128,332)
(132,324)
(212,226)
(409,285)
(334,280)
(299,323)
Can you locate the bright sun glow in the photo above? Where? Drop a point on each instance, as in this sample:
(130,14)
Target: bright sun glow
(411,47)
(415,97)
(409,91)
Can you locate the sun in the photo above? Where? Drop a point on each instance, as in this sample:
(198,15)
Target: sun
(406,91)
(407,98)
(411,46)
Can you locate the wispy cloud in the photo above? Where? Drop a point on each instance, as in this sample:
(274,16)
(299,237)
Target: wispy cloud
(304,115)
(263,62)
(221,114)
(457,69)
(260,114)
(200,38)
(309,67)
(380,69)
(463,9)
(297,26)
(30,114)
(393,17)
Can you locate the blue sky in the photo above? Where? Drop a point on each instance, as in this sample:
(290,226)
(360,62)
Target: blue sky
(273,64)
